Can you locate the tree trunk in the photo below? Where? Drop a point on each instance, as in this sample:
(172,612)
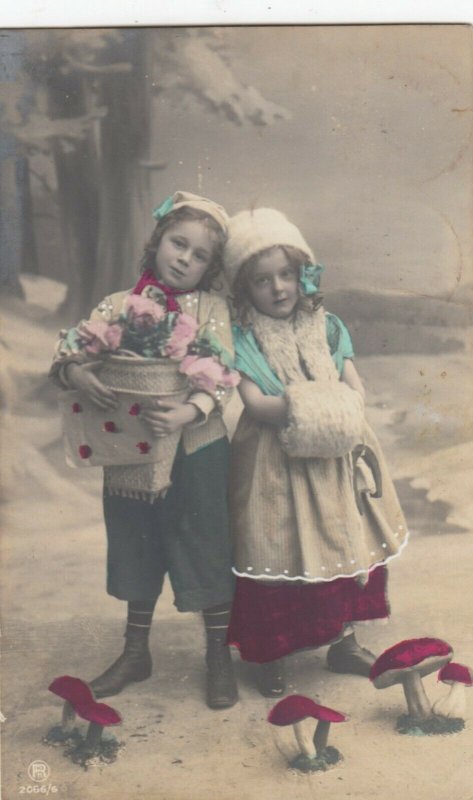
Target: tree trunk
(16,223)
(29,253)
(124,138)
(10,224)
(76,171)
(77,195)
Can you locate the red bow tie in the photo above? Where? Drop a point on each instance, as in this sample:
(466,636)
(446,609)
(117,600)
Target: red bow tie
(148,279)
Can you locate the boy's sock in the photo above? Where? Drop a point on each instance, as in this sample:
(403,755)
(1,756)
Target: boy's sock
(222,689)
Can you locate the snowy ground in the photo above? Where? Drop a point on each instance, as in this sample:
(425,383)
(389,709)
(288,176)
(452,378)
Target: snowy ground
(57,618)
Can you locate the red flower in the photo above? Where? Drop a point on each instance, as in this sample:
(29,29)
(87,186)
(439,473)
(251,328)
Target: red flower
(134,409)
(143,447)
(76,408)
(85,451)
(110,427)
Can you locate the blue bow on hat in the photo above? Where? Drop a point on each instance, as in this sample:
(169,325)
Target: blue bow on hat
(164,208)
(310,278)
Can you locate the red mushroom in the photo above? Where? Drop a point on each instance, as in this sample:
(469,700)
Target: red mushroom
(80,701)
(315,755)
(75,694)
(453,705)
(407,662)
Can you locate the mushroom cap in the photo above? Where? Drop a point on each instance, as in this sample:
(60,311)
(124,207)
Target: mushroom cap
(411,655)
(456,673)
(79,694)
(74,690)
(296,707)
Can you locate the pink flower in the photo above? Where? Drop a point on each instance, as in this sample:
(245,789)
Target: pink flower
(109,427)
(99,336)
(230,378)
(203,373)
(207,373)
(134,410)
(183,333)
(114,336)
(76,408)
(186,364)
(142,312)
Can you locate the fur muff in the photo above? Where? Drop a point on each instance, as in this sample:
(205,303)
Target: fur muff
(326,416)
(325,420)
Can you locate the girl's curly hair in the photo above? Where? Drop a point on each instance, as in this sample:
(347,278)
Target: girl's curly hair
(188,214)
(241,288)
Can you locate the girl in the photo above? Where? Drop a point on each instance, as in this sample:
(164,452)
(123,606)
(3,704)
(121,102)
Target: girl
(314,513)
(186,533)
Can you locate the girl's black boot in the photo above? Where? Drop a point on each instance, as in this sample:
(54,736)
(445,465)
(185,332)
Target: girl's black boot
(349,658)
(271,678)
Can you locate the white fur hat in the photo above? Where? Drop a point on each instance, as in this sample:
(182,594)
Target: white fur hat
(250,232)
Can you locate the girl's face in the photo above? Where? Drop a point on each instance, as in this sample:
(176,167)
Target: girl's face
(274,285)
(184,254)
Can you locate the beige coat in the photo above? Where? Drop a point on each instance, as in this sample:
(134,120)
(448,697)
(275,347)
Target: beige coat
(297,518)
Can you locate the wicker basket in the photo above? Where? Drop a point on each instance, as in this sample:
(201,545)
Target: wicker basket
(136,464)
(153,376)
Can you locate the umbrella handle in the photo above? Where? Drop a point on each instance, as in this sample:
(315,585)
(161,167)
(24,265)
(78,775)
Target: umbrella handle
(371,460)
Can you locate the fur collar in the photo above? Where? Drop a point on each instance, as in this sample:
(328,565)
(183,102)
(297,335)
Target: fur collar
(297,348)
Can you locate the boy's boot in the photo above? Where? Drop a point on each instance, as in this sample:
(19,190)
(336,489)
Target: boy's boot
(222,691)
(346,656)
(271,678)
(134,664)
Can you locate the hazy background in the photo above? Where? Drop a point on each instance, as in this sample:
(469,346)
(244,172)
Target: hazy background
(362,135)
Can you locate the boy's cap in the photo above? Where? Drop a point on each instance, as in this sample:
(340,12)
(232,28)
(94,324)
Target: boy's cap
(250,232)
(187,199)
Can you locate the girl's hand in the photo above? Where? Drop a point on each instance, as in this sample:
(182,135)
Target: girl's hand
(169,417)
(81,376)
(270,410)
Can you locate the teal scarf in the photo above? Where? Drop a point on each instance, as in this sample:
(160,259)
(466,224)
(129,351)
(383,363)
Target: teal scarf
(250,360)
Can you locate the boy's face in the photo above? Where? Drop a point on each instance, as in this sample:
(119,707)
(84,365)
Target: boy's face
(184,254)
(274,285)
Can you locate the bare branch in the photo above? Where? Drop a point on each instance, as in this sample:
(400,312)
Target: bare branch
(40,131)
(204,73)
(96,69)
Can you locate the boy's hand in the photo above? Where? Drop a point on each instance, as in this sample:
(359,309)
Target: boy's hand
(81,376)
(169,416)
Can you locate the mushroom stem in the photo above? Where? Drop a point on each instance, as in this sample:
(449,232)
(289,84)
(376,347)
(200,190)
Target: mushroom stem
(417,701)
(68,717)
(305,742)
(452,704)
(93,737)
(321,736)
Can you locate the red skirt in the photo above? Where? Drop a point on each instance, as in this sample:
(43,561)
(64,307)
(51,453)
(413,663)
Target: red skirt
(269,622)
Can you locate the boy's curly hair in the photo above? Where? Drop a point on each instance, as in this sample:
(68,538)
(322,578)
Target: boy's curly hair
(240,296)
(188,214)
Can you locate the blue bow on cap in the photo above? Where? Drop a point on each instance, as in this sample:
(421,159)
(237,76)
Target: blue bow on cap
(164,208)
(310,278)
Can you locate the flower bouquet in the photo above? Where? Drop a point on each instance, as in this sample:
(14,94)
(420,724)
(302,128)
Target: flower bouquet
(148,355)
